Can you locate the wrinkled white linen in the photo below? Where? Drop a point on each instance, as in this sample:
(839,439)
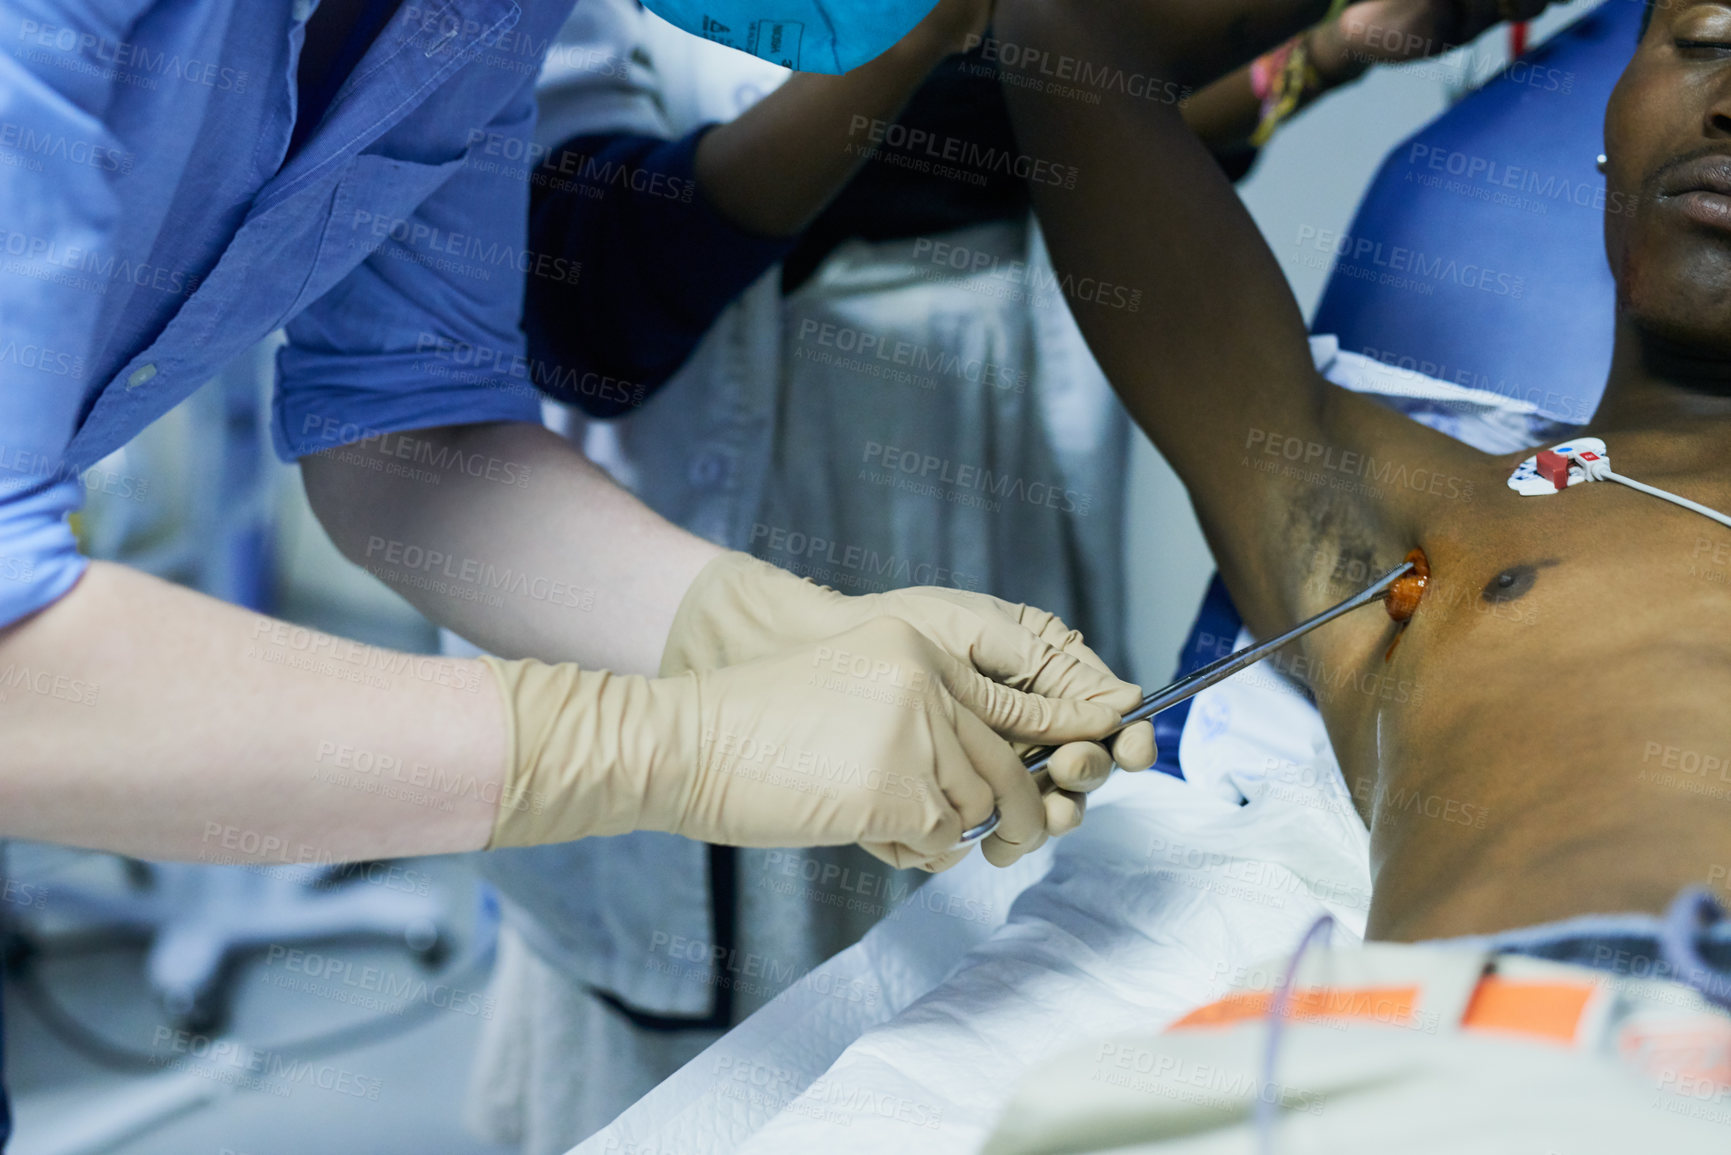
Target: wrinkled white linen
(1144,914)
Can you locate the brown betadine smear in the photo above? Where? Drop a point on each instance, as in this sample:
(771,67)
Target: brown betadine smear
(1404,595)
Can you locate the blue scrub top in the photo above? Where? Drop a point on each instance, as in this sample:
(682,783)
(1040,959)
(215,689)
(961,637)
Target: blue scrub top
(150,231)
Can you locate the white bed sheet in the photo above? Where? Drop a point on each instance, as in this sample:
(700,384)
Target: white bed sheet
(1147,913)
(912,1040)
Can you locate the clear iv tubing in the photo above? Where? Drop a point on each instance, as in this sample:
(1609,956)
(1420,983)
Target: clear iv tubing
(1601,470)
(1266,1110)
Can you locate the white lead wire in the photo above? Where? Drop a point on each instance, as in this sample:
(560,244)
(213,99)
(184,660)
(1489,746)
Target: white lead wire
(1601,471)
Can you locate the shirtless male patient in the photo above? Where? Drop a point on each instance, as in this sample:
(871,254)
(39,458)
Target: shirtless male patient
(1541,718)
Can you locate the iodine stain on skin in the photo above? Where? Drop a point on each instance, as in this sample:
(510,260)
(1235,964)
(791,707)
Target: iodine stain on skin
(1404,596)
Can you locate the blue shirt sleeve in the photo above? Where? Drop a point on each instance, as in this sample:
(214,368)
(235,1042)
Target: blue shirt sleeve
(50,214)
(659,264)
(39,559)
(424,331)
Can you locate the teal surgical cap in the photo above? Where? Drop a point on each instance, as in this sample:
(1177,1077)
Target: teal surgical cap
(808,35)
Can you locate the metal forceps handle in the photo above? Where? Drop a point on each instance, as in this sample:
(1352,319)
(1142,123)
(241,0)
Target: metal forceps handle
(1190,685)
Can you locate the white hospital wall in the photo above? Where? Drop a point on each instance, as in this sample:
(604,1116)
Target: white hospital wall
(1313,174)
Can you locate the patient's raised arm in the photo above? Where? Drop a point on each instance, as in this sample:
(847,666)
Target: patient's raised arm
(1200,334)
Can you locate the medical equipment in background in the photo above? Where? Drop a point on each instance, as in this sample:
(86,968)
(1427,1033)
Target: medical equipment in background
(173,1084)
(197,918)
(1192,684)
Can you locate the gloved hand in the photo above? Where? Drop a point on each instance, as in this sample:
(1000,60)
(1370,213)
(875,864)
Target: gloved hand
(740,608)
(877,736)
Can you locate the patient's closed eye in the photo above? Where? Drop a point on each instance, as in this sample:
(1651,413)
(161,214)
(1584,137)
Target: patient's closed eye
(1705,27)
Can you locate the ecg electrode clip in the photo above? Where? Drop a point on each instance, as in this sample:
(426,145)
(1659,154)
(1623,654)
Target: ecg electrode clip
(1586,459)
(1554,470)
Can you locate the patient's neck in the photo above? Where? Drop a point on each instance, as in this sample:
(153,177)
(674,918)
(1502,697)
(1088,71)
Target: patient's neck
(1658,384)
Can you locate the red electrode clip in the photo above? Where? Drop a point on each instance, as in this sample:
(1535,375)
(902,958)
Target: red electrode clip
(1554,468)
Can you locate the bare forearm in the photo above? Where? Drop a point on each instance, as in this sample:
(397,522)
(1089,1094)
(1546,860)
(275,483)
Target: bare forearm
(1218,347)
(507,535)
(1227,113)
(772,169)
(145,719)
(1217,336)
(1339,51)
(1194,42)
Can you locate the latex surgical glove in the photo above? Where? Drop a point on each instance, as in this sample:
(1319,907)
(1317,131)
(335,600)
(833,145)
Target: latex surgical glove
(740,608)
(877,736)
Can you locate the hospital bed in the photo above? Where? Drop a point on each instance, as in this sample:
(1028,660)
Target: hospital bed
(912,1040)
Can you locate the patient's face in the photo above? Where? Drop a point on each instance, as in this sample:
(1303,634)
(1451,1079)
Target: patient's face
(1668,136)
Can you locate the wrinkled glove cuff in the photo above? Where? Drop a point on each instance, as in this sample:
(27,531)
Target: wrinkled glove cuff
(739,609)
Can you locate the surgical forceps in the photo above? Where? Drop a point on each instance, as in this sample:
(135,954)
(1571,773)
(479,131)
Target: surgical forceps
(1190,685)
